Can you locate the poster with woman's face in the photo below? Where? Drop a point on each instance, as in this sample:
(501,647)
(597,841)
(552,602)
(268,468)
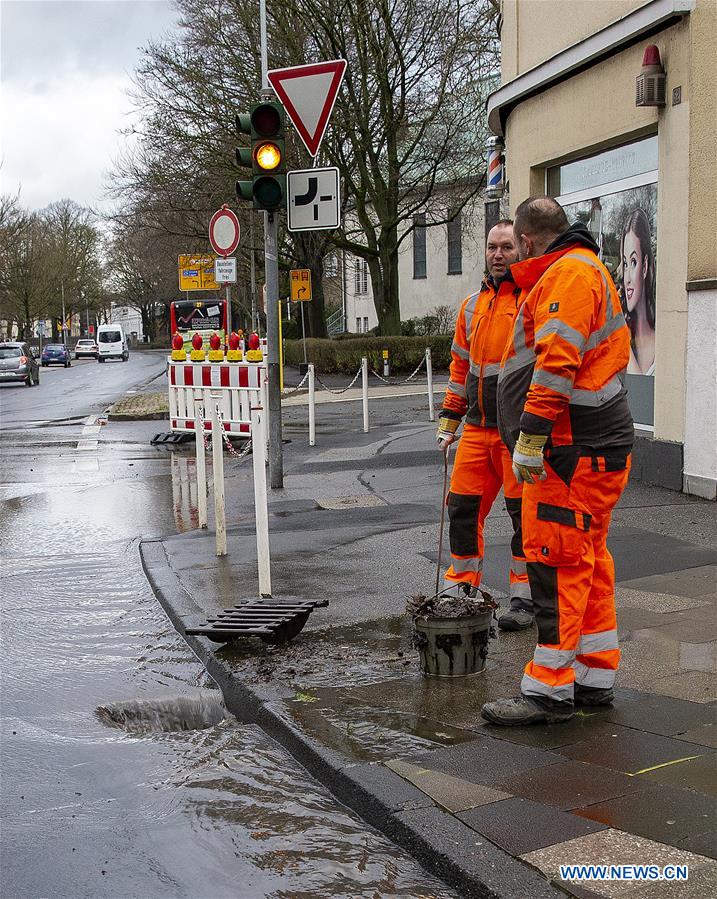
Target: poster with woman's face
(624,227)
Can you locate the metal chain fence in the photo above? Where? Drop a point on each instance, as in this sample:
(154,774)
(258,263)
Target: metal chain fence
(405,380)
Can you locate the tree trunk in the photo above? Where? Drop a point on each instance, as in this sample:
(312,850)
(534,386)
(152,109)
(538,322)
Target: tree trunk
(315,313)
(385,286)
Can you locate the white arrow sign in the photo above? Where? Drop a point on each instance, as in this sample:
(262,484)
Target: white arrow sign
(308,94)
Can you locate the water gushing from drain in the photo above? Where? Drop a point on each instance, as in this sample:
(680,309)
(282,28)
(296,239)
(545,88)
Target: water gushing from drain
(198,711)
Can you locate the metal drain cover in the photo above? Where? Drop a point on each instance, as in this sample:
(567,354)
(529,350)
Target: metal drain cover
(360,501)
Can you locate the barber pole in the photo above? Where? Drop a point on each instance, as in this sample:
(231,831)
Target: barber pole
(495,183)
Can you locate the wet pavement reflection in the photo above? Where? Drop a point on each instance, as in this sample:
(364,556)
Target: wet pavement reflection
(123,774)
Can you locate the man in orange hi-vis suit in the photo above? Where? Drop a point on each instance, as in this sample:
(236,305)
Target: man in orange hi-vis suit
(563,412)
(483,464)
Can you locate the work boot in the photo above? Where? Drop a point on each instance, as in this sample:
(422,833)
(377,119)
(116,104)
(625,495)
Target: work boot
(593,695)
(515,620)
(524,710)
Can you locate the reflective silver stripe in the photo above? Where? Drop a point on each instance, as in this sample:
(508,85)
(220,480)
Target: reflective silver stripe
(468,314)
(523,359)
(597,337)
(490,368)
(519,332)
(553,658)
(460,351)
(555,326)
(458,389)
(532,687)
(599,642)
(474,564)
(557,383)
(520,590)
(609,313)
(597,397)
(518,566)
(594,677)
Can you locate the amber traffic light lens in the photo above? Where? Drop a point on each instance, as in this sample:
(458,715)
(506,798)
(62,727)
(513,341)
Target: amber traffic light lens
(268,156)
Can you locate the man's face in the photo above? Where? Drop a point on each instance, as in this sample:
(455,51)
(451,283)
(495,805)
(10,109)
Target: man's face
(500,250)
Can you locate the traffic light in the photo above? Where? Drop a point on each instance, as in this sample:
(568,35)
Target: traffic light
(265,124)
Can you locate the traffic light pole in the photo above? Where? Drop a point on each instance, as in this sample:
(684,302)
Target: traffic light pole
(271,271)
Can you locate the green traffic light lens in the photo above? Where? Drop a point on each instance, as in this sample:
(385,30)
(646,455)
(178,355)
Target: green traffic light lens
(268,192)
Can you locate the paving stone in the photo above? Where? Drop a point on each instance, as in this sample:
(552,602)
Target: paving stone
(570,785)
(702,843)
(694,627)
(698,774)
(663,813)
(520,826)
(697,686)
(484,759)
(586,725)
(699,583)
(704,735)
(661,714)
(391,789)
(700,884)
(453,793)
(655,603)
(630,751)
(618,848)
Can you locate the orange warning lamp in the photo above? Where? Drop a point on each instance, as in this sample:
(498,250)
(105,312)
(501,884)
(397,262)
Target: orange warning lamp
(254,353)
(216,353)
(179,354)
(197,354)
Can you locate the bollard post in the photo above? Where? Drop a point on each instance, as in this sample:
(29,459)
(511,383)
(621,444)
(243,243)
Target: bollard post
(364,389)
(218,473)
(312,406)
(264,399)
(429,373)
(201,460)
(261,510)
(386,369)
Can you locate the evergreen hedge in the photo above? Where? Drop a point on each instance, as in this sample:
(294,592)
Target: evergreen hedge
(344,356)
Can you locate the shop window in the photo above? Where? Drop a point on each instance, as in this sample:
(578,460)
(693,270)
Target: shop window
(419,246)
(615,195)
(455,249)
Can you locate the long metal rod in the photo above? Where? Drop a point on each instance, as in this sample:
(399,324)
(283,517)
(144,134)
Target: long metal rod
(271,271)
(252,274)
(443,518)
(264,50)
(201,460)
(218,473)
(229,312)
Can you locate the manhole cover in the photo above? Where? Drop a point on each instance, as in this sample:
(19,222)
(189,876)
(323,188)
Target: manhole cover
(363,501)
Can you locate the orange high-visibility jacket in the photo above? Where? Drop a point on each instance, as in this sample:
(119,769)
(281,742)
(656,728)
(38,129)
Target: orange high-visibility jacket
(562,373)
(484,324)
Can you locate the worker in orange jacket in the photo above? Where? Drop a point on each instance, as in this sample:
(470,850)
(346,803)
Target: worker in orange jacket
(563,412)
(483,464)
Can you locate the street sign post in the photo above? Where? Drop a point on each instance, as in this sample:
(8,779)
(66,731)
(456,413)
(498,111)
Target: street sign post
(313,201)
(308,94)
(225,270)
(197,272)
(300,285)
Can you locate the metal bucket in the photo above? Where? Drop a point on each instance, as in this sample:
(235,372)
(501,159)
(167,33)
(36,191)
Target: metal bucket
(452,647)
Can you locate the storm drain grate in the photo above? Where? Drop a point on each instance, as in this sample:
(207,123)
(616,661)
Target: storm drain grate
(275,621)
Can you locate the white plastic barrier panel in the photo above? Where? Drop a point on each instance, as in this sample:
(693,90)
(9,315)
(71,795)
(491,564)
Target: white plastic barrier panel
(239,385)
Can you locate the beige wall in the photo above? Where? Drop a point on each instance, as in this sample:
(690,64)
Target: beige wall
(595,110)
(530,35)
(702,255)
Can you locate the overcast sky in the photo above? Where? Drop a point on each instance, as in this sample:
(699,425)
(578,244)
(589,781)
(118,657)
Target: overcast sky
(65,68)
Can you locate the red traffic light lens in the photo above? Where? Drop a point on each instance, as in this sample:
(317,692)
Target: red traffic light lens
(266,120)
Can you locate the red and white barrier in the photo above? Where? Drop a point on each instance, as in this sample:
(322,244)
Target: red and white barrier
(240,385)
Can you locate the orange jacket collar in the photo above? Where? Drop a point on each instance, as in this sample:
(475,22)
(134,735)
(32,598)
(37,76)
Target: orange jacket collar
(527,273)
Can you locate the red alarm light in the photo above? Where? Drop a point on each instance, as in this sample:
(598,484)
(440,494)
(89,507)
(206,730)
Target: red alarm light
(197,341)
(177,342)
(215,341)
(233,341)
(253,341)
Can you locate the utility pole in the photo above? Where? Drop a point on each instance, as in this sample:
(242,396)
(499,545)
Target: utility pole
(62,294)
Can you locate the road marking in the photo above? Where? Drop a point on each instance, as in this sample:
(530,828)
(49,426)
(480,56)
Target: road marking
(89,437)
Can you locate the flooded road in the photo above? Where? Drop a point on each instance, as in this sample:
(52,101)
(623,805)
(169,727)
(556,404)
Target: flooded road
(122,774)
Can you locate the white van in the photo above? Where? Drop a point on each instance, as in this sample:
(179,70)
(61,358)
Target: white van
(112,343)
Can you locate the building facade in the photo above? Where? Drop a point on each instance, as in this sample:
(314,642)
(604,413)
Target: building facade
(438,265)
(644,180)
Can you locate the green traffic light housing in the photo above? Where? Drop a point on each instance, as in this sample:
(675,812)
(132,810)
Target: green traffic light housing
(265,124)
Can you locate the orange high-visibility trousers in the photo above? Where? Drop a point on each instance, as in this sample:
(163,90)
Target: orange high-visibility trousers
(482,466)
(571,572)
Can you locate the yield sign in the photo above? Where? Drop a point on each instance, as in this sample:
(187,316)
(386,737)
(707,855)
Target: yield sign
(308,94)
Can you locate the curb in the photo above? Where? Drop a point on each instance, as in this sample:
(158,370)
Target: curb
(138,416)
(460,856)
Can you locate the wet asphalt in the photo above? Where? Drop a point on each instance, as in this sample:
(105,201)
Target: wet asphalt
(122,773)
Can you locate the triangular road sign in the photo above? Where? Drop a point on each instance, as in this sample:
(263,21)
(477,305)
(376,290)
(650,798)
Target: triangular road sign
(308,94)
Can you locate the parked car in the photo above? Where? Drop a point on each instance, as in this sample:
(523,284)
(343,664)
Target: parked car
(112,343)
(55,354)
(86,347)
(18,364)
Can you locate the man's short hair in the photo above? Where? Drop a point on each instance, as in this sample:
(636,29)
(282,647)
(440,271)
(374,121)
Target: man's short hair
(540,216)
(503,223)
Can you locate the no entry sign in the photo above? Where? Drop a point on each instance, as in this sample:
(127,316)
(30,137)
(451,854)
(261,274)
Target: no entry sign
(224,231)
